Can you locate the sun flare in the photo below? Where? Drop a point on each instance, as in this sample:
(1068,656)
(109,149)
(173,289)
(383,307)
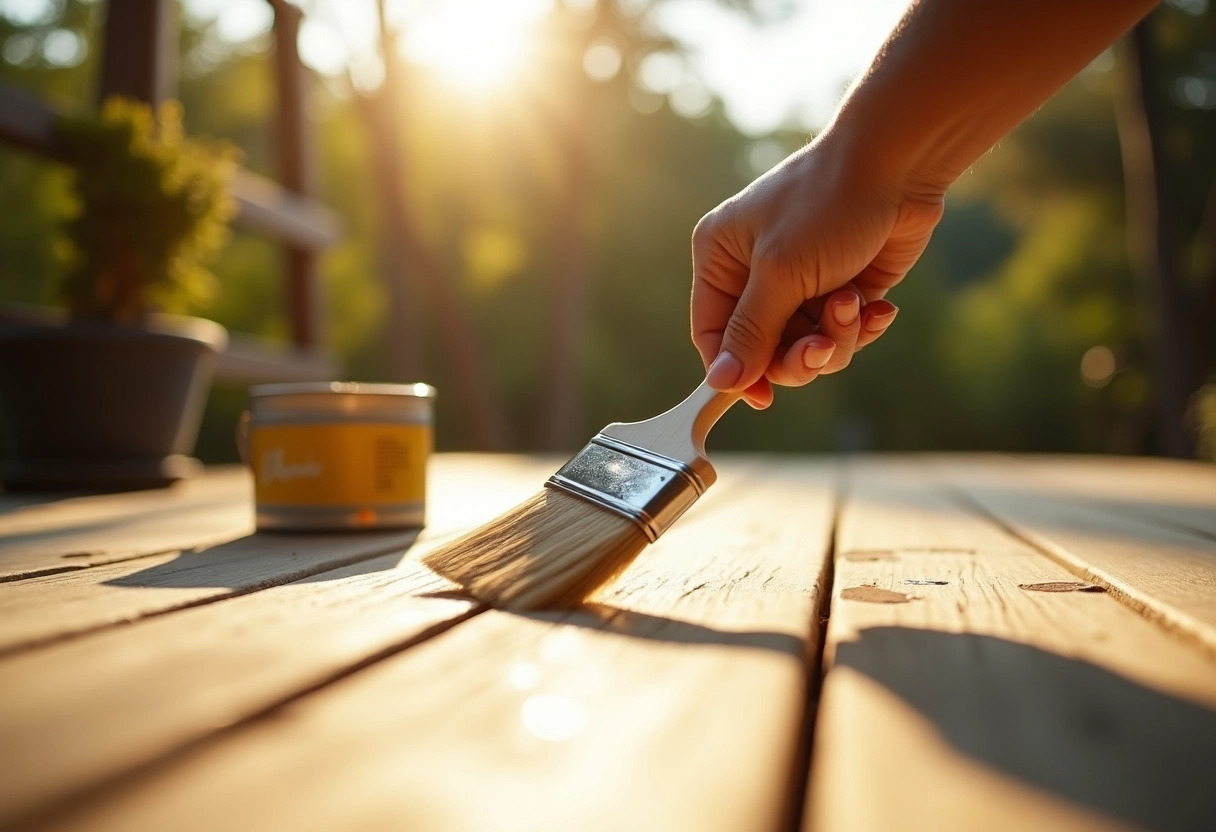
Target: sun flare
(471,44)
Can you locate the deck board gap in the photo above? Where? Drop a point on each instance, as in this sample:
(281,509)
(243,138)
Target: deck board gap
(42,573)
(80,567)
(799,785)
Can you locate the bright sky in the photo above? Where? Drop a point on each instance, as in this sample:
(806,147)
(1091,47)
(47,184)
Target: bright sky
(792,70)
(795,69)
(788,71)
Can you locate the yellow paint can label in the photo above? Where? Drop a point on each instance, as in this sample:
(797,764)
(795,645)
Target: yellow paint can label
(339,464)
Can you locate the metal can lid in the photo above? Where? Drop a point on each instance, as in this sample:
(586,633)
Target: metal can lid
(418,390)
(342,401)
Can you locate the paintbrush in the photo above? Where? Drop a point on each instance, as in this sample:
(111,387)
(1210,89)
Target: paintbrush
(593,517)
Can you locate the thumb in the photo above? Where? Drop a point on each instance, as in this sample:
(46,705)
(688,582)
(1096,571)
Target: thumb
(753,332)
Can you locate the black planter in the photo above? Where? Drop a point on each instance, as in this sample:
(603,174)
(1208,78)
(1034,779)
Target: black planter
(102,407)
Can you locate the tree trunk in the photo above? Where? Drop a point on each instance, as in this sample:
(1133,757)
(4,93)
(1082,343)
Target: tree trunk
(415,273)
(567,301)
(1205,268)
(406,326)
(1151,239)
(574,133)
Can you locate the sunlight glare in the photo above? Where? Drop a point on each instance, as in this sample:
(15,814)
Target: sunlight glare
(553,718)
(473,44)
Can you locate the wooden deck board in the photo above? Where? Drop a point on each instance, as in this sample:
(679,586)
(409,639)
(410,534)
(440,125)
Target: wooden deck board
(83,710)
(1172,492)
(79,532)
(45,609)
(674,703)
(79,713)
(979,677)
(960,697)
(1083,520)
(84,600)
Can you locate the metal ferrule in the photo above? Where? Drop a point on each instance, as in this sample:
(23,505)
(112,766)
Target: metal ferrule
(647,488)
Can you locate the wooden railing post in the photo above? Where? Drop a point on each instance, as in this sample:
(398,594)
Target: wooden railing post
(137,55)
(296,172)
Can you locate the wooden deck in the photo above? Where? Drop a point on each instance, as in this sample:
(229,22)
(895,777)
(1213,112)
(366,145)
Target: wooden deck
(877,644)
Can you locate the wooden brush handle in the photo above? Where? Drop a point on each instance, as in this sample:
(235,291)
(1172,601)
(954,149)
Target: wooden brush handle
(680,433)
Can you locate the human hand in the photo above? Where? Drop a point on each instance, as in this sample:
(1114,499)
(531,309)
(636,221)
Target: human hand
(820,233)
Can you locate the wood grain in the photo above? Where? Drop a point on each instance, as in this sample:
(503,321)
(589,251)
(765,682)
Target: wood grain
(1089,522)
(978,704)
(80,532)
(463,495)
(675,702)
(88,709)
(79,713)
(1172,492)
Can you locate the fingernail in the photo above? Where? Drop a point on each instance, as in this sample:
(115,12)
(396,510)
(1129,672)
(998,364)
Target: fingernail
(725,372)
(846,312)
(878,323)
(816,356)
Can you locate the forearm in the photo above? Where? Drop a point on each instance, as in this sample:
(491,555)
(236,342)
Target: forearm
(957,75)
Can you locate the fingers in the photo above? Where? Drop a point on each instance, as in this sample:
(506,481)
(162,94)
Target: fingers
(753,333)
(751,319)
(760,394)
(808,351)
(802,361)
(841,322)
(876,316)
(719,275)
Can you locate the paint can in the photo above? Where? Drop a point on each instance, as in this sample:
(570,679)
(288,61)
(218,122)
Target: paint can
(331,456)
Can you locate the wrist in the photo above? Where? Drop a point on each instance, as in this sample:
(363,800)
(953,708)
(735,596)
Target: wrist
(861,150)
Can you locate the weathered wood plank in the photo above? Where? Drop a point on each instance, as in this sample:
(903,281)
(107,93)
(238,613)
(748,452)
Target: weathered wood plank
(674,703)
(1173,492)
(465,491)
(85,710)
(961,695)
(115,593)
(1091,523)
(78,713)
(79,532)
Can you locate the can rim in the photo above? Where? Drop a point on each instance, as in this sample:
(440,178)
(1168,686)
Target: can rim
(417,391)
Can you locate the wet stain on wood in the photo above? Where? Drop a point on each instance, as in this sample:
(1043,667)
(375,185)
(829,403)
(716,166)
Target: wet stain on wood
(875,595)
(1062,586)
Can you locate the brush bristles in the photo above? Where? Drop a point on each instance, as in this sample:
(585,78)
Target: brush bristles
(549,552)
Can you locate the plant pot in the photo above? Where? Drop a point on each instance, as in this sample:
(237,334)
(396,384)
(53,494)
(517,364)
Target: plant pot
(103,407)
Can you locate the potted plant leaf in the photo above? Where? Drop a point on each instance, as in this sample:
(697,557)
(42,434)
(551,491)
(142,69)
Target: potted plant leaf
(112,398)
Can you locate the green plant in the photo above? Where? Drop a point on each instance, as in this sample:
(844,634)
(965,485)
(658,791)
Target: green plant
(152,207)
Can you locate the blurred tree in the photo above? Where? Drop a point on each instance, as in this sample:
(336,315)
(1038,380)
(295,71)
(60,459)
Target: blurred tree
(553,214)
(50,51)
(416,279)
(1153,134)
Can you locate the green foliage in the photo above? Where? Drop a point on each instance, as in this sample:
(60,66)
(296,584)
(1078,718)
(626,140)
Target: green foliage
(153,207)
(1025,274)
